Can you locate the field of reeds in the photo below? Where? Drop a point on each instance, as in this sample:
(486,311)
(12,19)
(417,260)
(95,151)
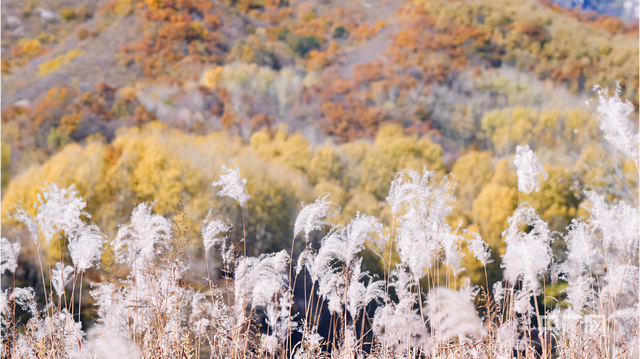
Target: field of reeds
(276,305)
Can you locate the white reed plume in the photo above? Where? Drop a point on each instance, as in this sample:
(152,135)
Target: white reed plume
(4,308)
(25,297)
(618,129)
(112,307)
(109,348)
(60,277)
(522,304)
(407,191)
(211,228)
(498,294)
(468,290)
(620,279)
(452,314)
(57,210)
(450,242)
(345,243)
(260,281)
(139,239)
(422,228)
(360,295)
(23,216)
(86,247)
(342,244)
(528,254)
(529,170)
(627,322)
(581,251)
(313,216)
(480,248)
(60,209)
(580,293)
(9,255)
(232,184)
(526,259)
(278,318)
(399,326)
(619,224)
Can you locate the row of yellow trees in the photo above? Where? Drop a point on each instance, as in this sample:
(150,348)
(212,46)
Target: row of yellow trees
(167,166)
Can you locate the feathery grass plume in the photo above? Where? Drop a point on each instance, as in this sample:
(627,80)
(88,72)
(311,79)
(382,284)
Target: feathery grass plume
(60,277)
(522,304)
(25,297)
(618,129)
(506,339)
(342,244)
(618,223)
(529,170)
(415,248)
(522,215)
(582,258)
(4,308)
(627,321)
(528,254)
(263,282)
(211,228)
(345,244)
(232,184)
(452,252)
(440,206)
(399,326)
(452,314)
(414,190)
(9,255)
(265,278)
(86,247)
(620,279)
(306,259)
(480,248)
(498,294)
(67,333)
(469,290)
(198,318)
(112,307)
(278,318)
(109,348)
(313,216)
(60,210)
(422,228)
(581,251)
(360,295)
(138,239)
(580,293)
(331,285)
(23,216)
(526,259)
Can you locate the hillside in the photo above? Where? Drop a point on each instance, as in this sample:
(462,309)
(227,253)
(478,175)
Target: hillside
(482,149)
(137,101)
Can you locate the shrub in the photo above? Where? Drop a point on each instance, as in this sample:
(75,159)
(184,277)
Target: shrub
(5,154)
(300,44)
(340,32)
(68,14)
(57,139)
(82,34)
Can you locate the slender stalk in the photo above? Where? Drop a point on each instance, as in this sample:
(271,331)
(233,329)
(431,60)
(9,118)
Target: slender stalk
(13,318)
(244,242)
(80,298)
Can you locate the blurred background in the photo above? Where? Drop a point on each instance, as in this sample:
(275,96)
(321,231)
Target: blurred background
(141,101)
